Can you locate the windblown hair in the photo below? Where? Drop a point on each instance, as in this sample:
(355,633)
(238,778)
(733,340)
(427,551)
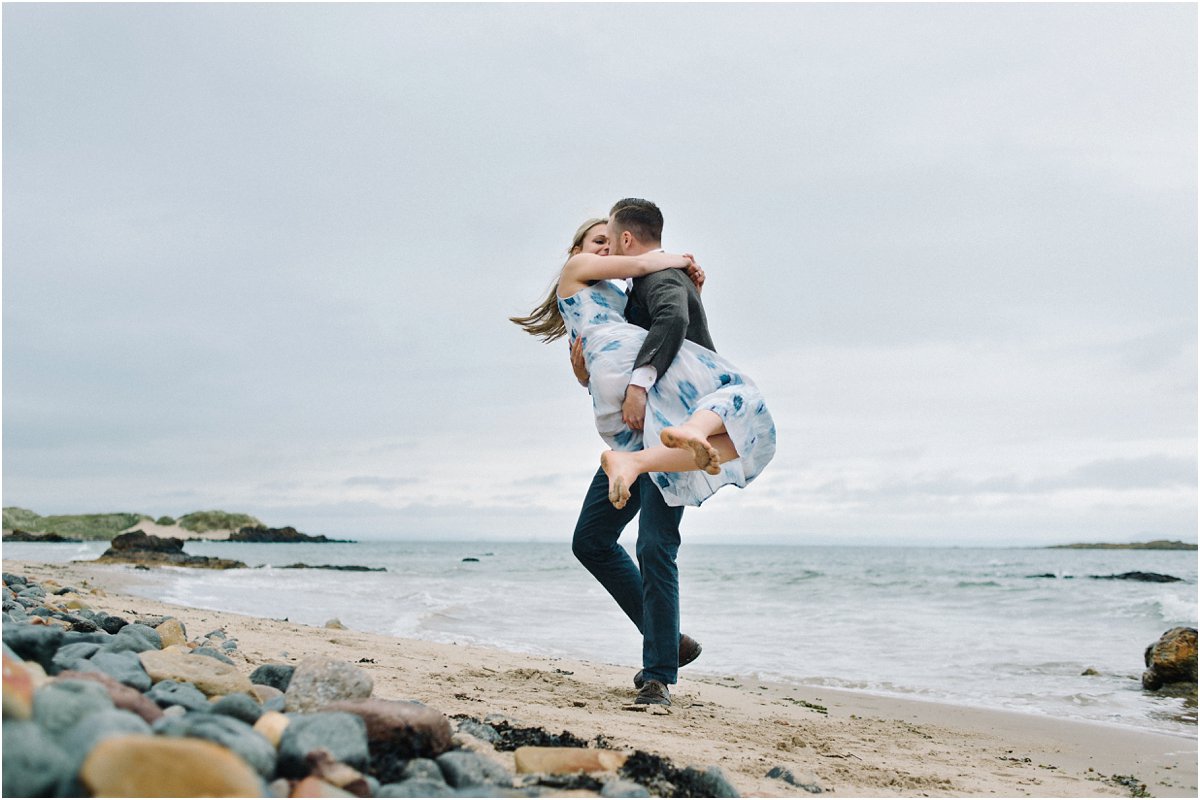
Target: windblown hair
(640,217)
(544,321)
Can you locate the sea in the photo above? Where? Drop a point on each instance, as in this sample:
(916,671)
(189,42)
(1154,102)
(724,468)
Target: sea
(1022,629)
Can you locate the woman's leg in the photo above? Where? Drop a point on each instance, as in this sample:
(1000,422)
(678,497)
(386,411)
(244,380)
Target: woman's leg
(703,435)
(624,467)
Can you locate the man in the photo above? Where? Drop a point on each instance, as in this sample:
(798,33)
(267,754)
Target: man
(667,304)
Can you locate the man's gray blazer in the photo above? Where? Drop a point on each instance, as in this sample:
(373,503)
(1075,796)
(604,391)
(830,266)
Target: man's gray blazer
(667,304)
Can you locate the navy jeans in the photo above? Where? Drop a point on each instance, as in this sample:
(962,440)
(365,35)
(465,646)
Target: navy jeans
(647,592)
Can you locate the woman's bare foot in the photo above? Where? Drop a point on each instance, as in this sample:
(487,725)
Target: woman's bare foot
(621,475)
(683,438)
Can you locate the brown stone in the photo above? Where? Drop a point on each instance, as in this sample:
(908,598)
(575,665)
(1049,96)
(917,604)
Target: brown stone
(335,773)
(123,697)
(152,766)
(208,674)
(1172,659)
(171,631)
(262,693)
(410,730)
(315,787)
(271,726)
(18,689)
(566,760)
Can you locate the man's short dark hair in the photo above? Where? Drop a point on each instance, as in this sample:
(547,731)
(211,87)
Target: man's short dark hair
(640,217)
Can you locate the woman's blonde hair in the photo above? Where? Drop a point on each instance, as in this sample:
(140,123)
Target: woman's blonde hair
(545,321)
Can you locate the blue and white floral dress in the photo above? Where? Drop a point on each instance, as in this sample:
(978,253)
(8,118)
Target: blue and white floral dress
(697,379)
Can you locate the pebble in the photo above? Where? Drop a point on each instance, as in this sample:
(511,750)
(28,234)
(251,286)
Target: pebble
(425,769)
(18,689)
(239,706)
(124,667)
(123,697)
(112,624)
(343,735)
(417,787)
(623,788)
(565,760)
(33,764)
(171,631)
(315,787)
(172,693)
(262,693)
(712,782)
(78,740)
(228,732)
(209,675)
(319,681)
(155,766)
(464,769)
(58,706)
(211,653)
(135,638)
(404,730)
(275,675)
(271,726)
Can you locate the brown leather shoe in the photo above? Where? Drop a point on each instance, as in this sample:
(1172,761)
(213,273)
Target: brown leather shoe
(654,693)
(689,651)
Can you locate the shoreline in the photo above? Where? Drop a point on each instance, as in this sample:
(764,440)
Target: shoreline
(850,743)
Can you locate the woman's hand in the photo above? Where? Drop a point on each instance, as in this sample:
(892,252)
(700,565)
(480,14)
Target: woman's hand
(578,365)
(695,273)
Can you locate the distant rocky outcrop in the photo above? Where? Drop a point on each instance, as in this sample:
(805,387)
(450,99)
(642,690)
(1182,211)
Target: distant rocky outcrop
(204,521)
(1157,544)
(26,536)
(143,549)
(264,535)
(1144,577)
(1172,660)
(342,567)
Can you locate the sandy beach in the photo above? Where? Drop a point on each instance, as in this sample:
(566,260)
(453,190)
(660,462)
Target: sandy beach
(849,744)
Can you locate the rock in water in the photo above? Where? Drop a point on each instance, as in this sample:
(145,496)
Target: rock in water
(1172,659)
(319,681)
(138,547)
(154,766)
(207,674)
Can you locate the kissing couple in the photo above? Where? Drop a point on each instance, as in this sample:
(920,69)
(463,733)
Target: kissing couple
(680,420)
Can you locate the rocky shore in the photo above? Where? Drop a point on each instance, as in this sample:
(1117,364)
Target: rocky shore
(99,704)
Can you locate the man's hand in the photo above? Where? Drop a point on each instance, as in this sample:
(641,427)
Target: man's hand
(633,410)
(578,364)
(695,273)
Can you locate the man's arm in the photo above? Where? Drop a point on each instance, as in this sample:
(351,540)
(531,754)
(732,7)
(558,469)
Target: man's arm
(665,301)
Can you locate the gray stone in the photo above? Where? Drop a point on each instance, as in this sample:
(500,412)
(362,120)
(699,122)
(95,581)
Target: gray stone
(711,782)
(277,675)
(34,765)
(479,730)
(227,732)
(462,769)
(211,653)
(415,787)
(32,590)
(85,626)
(319,681)
(423,769)
(78,740)
(239,706)
(217,634)
(276,704)
(58,706)
(229,645)
(806,782)
(12,579)
(623,788)
(134,638)
(69,656)
(343,735)
(35,643)
(111,623)
(173,693)
(152,621)
(125,667)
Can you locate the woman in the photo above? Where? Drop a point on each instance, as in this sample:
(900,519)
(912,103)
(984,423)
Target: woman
(712,418)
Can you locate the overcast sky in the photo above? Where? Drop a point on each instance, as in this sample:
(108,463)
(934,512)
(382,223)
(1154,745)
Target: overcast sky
(261,258)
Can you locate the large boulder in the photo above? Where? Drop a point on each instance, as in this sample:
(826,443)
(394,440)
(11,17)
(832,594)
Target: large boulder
(1172,659)
(138,547)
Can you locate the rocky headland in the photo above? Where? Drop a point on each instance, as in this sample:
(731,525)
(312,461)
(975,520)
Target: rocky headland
(288,535)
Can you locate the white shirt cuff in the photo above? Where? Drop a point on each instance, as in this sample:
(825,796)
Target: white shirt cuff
(644,377)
